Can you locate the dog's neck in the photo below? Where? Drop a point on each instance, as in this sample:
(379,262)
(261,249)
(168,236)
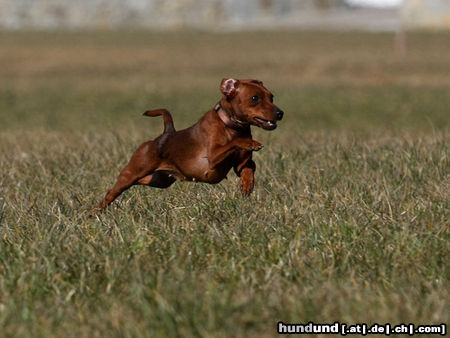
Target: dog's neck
(229,120)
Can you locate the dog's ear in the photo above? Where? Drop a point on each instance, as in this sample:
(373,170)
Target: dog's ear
(228,87)
(257,82)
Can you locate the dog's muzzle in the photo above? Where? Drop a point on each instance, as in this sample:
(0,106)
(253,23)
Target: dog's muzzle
(279,114)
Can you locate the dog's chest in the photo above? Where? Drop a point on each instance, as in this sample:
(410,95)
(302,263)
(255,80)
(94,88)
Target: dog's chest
(202,172)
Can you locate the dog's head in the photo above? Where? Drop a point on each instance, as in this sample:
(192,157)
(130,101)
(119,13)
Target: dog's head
(250,103)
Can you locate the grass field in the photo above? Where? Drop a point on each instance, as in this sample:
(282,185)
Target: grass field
(349,220)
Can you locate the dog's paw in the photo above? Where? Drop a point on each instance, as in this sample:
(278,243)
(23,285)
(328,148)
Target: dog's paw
(93,212)
(256,146)
(246,187)
(246,191)
(251,145)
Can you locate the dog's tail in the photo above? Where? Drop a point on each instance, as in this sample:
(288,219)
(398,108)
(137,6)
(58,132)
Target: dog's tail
(168,122)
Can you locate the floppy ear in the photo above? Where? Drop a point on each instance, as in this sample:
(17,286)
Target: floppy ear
(228,87)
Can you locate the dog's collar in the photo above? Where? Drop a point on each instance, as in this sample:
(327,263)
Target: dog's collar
(227,119)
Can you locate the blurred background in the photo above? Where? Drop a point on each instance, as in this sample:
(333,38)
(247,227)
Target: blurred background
(225,14)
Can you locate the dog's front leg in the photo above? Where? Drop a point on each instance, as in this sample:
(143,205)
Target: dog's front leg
(218,154)
(246,171)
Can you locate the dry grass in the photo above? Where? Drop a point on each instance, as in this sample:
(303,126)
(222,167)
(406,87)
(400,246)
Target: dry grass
(349,219)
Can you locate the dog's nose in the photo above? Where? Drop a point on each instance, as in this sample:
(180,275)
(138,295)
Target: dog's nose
(279,113)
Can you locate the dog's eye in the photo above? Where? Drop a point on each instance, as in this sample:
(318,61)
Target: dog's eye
(255,98)
(271,98)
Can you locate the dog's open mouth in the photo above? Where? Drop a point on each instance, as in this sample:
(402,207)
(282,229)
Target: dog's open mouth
(266,124)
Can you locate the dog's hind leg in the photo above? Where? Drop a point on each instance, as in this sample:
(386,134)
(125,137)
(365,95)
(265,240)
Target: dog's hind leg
(143,163)
(159,179)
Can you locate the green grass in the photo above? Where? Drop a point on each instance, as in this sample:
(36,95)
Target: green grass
(349,220)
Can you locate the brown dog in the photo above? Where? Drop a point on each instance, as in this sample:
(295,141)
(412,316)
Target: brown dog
(205,152)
